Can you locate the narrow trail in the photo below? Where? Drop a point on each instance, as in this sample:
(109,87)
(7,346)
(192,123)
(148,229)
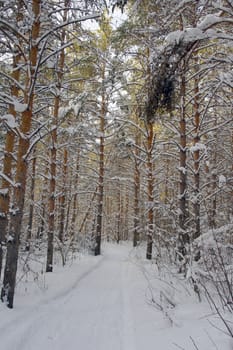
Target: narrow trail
(101,303)
(95,314)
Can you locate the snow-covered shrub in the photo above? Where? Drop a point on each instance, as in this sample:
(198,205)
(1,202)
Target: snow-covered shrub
(215,271)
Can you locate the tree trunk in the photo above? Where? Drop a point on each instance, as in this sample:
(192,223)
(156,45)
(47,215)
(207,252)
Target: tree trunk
(53,154)
(183,237)
(136,230)
(75,199)
(7,293)
(211,177)
(43,206)
(5,191)
(231,192)
(63,197)
(31,208)
(118,216)
(9,147)
(99,219)
(126,216)
(196,157)
(150,189)
(52,189)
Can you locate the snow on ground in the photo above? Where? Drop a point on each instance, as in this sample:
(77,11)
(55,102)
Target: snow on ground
(113,302)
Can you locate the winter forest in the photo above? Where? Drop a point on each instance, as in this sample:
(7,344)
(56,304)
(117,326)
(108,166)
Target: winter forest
(116,145)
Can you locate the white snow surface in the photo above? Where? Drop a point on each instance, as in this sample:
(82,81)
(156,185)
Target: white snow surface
(9,119)
(102,303)
(20,107)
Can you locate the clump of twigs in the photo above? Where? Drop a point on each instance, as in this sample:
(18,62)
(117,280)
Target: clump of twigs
(164,72)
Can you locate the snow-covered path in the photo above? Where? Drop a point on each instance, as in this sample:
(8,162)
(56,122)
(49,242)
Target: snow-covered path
(100,303)
(94,314)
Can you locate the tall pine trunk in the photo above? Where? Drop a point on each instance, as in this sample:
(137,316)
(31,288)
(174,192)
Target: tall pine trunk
(118,216)
(196,155)
(53,153)
(52,189)
(100,197)
(136,221)
(150,190)
(5,191)
(126,216)
(9,147)
(63,196)
(32,196)
(211,177)
(43,205)
(183,237)
(75,197)
(8,289)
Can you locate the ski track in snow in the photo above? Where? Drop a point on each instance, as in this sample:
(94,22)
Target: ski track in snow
(94,314)
(100,304)
(128,325)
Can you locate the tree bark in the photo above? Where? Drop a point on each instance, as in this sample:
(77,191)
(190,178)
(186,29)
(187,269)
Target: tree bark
(43,201)
(32,196)
(63,197)
(136,231)
(183,237)
(196,157)
(53,154)
(118,216)
(52,189)
(8,289)
(150,189)
(126,216)
(75,199)
(99,218)
(9,147)
(5,191)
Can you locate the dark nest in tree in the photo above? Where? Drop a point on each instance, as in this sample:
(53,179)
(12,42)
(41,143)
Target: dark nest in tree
(161,95)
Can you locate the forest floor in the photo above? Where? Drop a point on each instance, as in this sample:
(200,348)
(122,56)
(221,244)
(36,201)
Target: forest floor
(116,301)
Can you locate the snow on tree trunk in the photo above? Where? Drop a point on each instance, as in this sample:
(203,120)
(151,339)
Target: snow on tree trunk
(100,194)
(150,189)
(136,230)
(8,289)
(196,155)
(63,196)
(32,196)
(9,146)
(183,237)
(53,154)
